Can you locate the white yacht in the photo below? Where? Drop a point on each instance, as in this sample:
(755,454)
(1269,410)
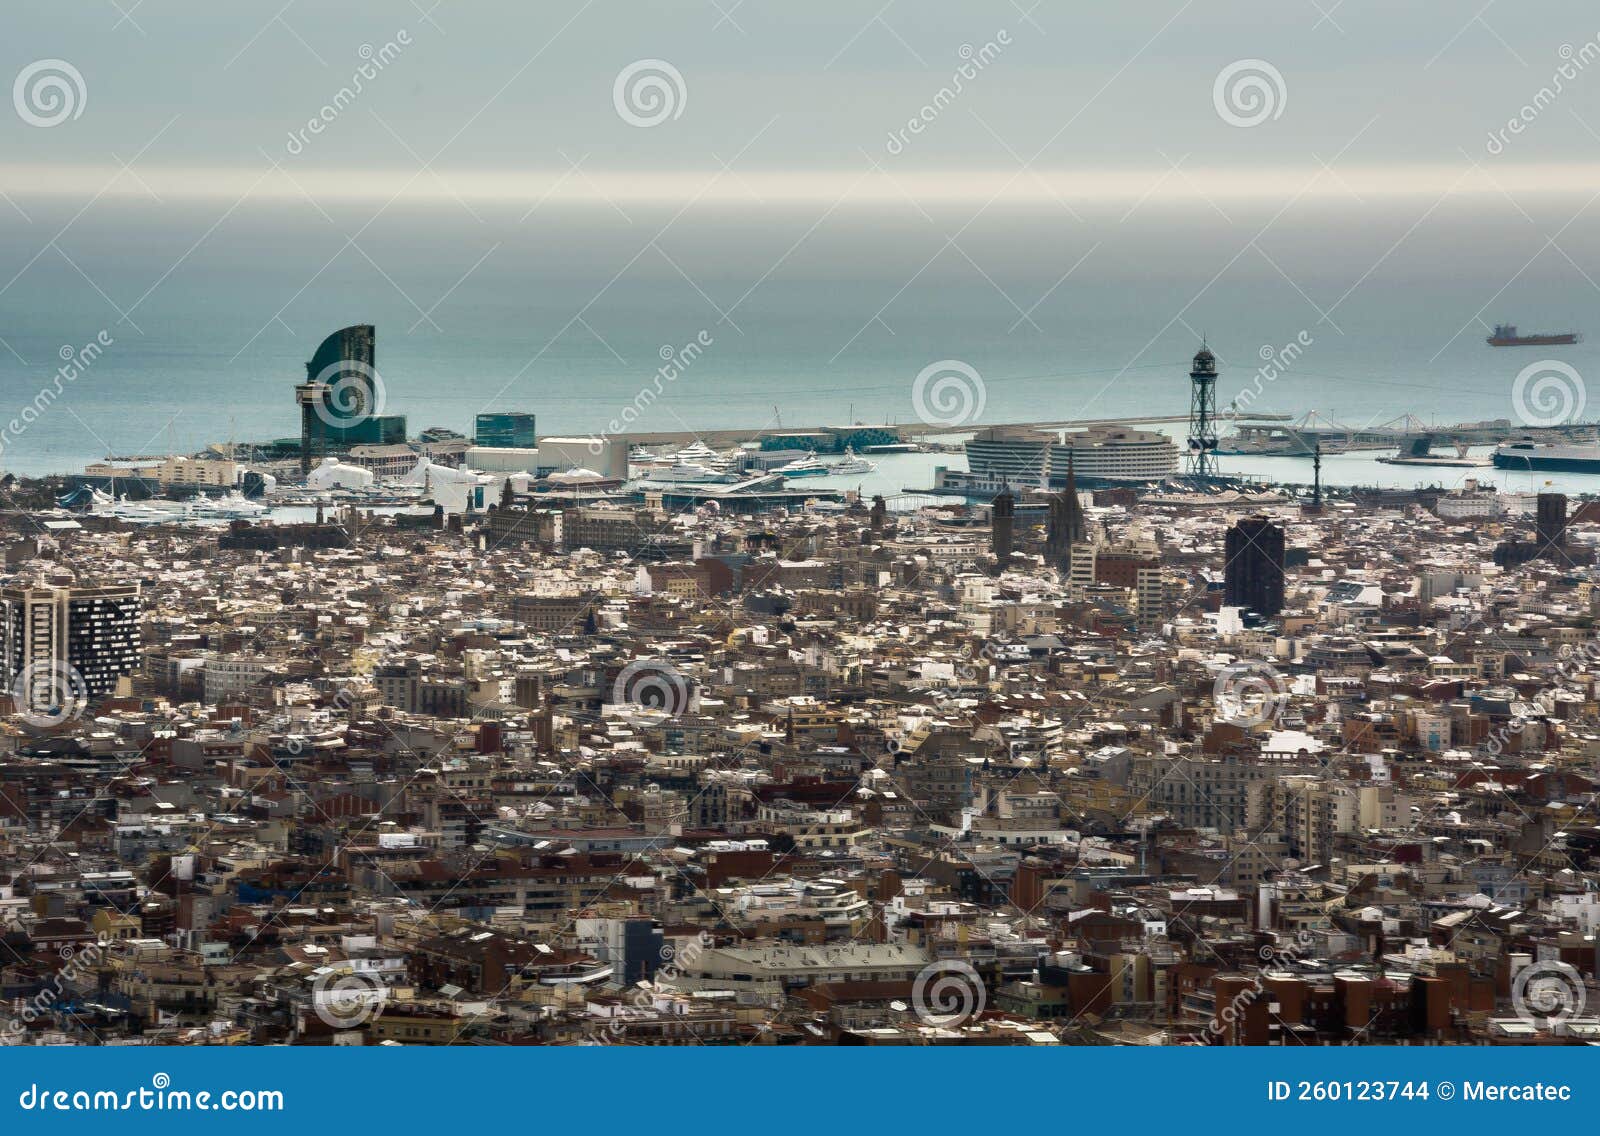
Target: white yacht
(233,506)
(687,471)
(808,466)
(160,511)
(852,463)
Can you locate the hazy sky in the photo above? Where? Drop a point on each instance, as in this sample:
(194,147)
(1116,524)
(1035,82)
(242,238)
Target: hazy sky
(841,192)
(506,97)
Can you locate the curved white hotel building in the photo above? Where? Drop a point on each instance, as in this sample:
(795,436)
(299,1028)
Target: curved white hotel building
(1021,458)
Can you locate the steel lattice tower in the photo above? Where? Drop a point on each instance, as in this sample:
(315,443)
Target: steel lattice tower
(1202,454)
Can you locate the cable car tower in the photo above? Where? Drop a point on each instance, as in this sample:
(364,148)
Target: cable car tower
(1201,461)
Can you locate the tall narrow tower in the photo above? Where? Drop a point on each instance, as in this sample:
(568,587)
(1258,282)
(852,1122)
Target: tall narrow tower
(1065,525)
(1551,519)
(1202,458)
(1002,521)
(340,394)
(876,518)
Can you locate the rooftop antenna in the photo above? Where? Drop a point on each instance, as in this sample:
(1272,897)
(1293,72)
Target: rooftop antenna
(1316,477)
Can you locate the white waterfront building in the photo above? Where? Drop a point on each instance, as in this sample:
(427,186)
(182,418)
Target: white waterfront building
(1019,458)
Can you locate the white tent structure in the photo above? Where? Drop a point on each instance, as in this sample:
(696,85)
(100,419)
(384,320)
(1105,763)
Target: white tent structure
(425,472)
(576,477)
(335,474)
(457,488)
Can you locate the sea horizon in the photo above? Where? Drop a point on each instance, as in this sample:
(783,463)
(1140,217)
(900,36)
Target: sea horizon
(810,320)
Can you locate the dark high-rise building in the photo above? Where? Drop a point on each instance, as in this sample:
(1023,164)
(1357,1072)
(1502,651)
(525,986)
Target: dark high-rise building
(1002,520)
(1549,540)
(876,518)
(1253,575)
(507,430)
(62,644)
(1550,518)
(341,401)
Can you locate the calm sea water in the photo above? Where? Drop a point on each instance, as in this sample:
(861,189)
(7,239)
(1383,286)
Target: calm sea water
(566,315)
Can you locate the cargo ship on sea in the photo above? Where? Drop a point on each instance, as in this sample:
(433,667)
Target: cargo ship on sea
(1505,335)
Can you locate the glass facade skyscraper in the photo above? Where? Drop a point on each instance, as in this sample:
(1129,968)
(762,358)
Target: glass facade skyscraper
(509,430)
(341,401)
